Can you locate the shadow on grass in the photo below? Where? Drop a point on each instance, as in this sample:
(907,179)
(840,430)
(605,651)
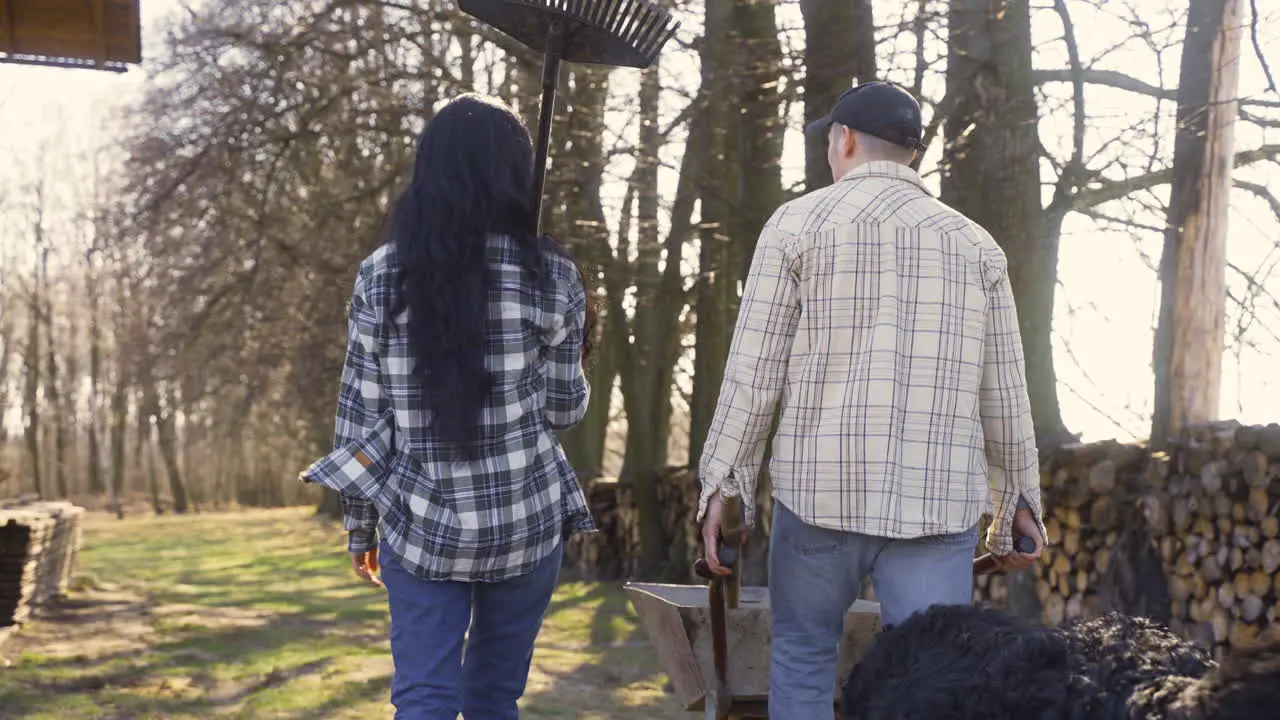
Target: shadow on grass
(225,642)
(256,615)
(600,681)
(352,693)
(208,661)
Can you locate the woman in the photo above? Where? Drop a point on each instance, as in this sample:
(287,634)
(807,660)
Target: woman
(465,355)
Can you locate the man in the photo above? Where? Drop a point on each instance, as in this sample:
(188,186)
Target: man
(884,322)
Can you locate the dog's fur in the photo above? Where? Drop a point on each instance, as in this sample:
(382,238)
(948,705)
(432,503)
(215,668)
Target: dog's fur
(966,663)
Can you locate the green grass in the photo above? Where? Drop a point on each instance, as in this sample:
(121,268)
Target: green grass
(257,615)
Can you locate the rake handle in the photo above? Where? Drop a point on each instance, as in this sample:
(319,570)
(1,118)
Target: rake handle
(550,79)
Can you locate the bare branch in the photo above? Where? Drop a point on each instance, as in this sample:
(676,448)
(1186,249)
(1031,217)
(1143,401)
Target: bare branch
(1259,120)
(1109,78)
(1129,83)
(1073,174)
(1263,192)
(1109,190)
(1257,47)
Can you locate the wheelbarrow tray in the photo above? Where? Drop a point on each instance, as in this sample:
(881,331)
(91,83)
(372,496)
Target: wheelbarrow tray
(677,619)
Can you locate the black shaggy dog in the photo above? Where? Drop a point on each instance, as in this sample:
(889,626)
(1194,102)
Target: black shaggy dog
(966,663)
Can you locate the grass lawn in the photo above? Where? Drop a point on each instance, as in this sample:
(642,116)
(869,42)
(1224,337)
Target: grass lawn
(256,615)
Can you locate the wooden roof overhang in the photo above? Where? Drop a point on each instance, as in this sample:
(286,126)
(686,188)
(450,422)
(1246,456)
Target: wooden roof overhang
(93,34)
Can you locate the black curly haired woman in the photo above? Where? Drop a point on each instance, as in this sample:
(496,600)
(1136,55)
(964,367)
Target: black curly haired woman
(467,335)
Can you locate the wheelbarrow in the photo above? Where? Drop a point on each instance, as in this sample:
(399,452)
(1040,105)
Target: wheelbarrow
(714,641)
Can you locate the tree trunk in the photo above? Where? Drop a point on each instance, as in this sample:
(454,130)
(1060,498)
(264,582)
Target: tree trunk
(992,175)
(1187,359)
(119,421)
(188,443)
(330,505)
(588,235)
(647,399)
(145,455)
(120,399)
(839,49)
(647,351)
(760,134)
(31,390)
(7,325)
(94,459)
(716,281)
(466,50)
(167,439)
(52,390)
(743,188)
(6,355)
(153,479)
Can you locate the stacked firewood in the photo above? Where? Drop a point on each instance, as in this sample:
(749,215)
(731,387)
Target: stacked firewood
(613,553)
(39,545)
(1194,528)
(599,556)
(1218,535)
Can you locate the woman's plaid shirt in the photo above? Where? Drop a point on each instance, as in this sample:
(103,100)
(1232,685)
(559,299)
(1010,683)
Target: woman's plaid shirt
(484,519)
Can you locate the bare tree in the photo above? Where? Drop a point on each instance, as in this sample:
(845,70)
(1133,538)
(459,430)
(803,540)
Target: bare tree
(992,173)
(839,48)
(35,306)
(1189,335)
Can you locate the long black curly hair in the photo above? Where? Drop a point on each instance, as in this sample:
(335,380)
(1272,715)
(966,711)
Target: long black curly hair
(472,179)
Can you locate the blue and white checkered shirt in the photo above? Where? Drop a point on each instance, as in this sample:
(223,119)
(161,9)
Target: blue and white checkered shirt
(491,517)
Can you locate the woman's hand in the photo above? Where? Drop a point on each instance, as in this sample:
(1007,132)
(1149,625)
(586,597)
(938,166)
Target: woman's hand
(365,565)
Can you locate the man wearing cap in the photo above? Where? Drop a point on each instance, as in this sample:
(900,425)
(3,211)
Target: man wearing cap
(884,323)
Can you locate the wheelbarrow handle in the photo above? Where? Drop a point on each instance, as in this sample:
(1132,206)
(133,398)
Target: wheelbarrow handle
(728,558)
(987,563)
(981,565)
(720,699)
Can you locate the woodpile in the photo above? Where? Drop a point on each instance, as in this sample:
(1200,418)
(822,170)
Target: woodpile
(1189,536)
(614,552)
(39,545)
(599,556)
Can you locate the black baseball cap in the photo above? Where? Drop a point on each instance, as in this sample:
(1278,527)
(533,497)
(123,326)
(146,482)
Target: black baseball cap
(876,108)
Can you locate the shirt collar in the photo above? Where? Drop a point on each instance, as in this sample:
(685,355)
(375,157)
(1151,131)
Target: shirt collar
(886,169)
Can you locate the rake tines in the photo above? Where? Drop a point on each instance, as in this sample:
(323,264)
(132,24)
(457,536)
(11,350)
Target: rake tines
(624,33)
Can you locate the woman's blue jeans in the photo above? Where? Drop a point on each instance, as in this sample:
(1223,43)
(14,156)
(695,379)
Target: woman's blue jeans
(434,679)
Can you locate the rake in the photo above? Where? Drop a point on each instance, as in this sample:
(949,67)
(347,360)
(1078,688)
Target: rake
(620,33)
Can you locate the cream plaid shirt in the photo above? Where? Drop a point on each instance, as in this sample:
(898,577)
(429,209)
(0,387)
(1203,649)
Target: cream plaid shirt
(884,323)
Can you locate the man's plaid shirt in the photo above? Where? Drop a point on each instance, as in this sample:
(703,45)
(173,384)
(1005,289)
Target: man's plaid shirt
(484,519)
(884,323)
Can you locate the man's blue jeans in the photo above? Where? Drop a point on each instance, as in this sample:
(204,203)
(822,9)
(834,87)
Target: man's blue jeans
(815,574)
(433,680)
